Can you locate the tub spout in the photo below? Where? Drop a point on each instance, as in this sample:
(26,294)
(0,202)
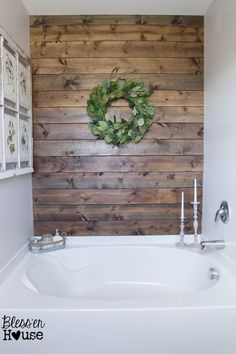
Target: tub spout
(215,244)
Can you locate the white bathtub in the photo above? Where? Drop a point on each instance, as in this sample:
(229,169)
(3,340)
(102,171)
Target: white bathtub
(118,295)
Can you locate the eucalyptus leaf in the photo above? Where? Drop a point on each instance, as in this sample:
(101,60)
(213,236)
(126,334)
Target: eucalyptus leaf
(140,122)
(108,116)
(118,94)
(138,138)
(135,111)
(102,123)
(105,99)
(121,84)
(108,138)
(94,129)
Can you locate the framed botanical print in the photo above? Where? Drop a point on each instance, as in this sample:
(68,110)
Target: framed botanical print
(24,140)
(24,90)
(11,138)
(9,74)
(15,109)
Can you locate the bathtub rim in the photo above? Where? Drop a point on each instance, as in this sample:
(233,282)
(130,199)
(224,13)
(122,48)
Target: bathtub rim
(46,303)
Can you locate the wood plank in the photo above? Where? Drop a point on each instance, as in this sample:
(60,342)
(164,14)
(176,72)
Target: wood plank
(82,131)
(80,115)
(119,164)
(117,196)
(110,212)
(76,82)
(116,49)
(100,148)
(98,180)
(79,99)
(85,186)
(116,33)
(116,19)
(111,228)
(118,65)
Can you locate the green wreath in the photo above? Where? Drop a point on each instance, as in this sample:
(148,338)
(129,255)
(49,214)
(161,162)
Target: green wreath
(106,127)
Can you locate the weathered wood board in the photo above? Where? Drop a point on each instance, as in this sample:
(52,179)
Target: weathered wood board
(84,186)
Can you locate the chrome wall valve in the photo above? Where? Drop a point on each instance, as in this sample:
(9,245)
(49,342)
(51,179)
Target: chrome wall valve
(223,212)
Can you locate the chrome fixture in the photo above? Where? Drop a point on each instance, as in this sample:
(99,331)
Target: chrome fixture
(223,212)
(213,274)
(215,244)
(47,243)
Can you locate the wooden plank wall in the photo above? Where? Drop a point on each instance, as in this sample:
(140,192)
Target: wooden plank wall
(84,186)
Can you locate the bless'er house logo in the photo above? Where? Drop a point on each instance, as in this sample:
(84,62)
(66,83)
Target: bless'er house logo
(22,329)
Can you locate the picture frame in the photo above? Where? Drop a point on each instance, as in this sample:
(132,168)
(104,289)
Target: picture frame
(24,90)
(15,109)
(11,138)
(24,140)
(9,74)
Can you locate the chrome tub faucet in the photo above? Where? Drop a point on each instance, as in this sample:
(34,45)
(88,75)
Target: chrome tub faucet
(214,244)
(222,214)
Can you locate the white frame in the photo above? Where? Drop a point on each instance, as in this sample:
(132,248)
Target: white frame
(20,167)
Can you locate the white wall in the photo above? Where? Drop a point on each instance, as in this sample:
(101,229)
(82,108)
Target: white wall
(16,221)
(220,120)
(15,20)
(114,7)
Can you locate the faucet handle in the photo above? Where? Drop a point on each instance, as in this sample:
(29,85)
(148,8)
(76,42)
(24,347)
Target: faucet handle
(223,212)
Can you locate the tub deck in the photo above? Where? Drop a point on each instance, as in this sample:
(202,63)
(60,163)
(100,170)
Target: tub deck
(200,320)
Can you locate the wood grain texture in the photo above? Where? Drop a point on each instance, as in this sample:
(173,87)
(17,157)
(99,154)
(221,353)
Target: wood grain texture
(84,186)
(118,65)
(112,228)
(117,19)
(104,196)
(100,148)
(116,33)
(102,164)
(116,49)
(110,212)
(109,180)
(163,114)
(75,82)
(83,132)
(79,99)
